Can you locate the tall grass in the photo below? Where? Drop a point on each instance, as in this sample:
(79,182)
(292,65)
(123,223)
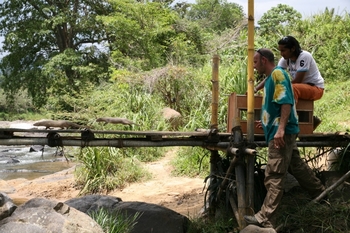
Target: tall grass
(191,162)
(115,221)
(333,106)
(222,224)
(104,169)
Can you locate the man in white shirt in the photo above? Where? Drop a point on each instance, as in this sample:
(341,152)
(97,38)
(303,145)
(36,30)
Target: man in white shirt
(307,81)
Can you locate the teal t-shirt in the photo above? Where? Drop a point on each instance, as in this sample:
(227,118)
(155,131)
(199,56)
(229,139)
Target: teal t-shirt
(277,91)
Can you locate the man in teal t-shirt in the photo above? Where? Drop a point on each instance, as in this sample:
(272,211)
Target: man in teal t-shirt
(277,92)
(280,124)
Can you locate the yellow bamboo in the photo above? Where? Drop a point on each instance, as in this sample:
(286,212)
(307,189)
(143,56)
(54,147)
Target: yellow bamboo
(214,154)
(215,92)
(250,110)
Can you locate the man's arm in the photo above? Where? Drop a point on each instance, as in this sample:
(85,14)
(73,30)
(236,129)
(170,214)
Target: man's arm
(259,86)
(299,77)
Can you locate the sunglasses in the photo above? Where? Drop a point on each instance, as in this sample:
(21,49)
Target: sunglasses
(259,52)
(285,39)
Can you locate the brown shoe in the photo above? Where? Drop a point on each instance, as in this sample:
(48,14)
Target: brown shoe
(251,220)
(317,121)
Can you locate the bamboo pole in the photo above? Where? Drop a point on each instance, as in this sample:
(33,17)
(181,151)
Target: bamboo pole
(119,143)
(250,72)
(215,92)
(8,132)
(234,207)
(240,174)
(250,111)
(168,142)
(227,176)
(214,154)
(332,187)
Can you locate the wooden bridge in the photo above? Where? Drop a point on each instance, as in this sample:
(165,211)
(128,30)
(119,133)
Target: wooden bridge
(209,139)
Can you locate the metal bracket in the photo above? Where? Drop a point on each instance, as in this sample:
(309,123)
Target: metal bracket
(213,135)
(6,134)
(54,139)
(86,136)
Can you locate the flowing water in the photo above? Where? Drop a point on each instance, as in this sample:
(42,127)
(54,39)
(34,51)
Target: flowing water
(19,162)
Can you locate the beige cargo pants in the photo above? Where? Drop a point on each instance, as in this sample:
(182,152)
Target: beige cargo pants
(279,162)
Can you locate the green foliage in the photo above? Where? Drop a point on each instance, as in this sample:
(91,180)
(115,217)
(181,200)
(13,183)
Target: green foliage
(176,87)
(147,154)
(137,31)
(192,162)
(277,19)
(215,15)
(298,215)
(331,107)
(104,169)
(36,32)
(147,36)
(204,225)
(329,42)
(115,221)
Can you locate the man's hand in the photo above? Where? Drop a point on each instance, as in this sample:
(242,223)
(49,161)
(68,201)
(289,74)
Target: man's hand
(278,139)
(258,124)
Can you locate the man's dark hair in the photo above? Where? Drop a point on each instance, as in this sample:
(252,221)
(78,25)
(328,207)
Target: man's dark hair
(267,54)
(289,42)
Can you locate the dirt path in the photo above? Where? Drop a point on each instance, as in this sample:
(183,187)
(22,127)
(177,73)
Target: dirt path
(181,194)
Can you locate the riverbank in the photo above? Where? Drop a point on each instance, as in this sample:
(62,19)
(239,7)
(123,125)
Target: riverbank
(181,194)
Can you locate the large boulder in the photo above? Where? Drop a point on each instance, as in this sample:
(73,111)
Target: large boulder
(93,203)
(5,188)
(173,117)
(41,215)
(7,207)
(152,218)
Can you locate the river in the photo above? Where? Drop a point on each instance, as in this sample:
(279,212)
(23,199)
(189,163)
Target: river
(19,162)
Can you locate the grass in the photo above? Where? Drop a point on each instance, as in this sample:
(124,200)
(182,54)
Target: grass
(298,215)
(114,222)
(191,162)
(332,106)
(105,169)
(206,225)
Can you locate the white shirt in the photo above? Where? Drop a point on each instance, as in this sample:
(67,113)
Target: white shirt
(304,63)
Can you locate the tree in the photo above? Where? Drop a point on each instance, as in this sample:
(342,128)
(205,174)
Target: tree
(52,47)
(216,15)
(326,36)
(277,18)
(147,36)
